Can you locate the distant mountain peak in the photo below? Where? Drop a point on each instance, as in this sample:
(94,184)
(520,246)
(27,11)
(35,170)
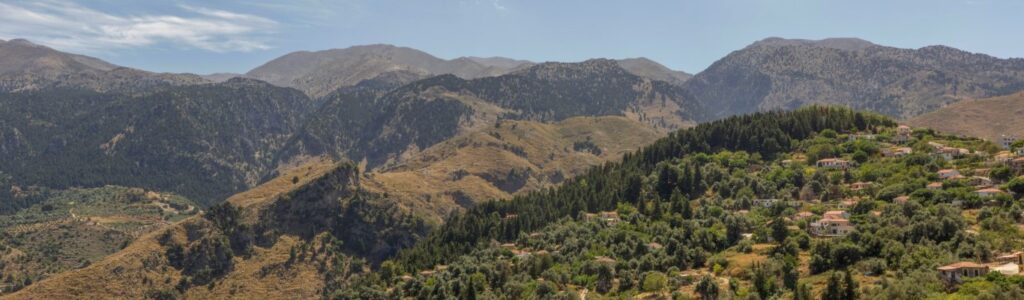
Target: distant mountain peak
(322,72)
(848,44)
(644,67)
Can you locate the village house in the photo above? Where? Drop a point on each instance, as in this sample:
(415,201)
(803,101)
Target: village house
(902,134)
(859,186)
(848,203)
(1006,141)
(949,174)
(950,153)
(833,163)
(802,215)
(1016,257)
(989,192)
(861,136)
(901,199)
(832,224)
(1004,157)
(897,151)
(609,217)
(1007,268)
(1017,163)
(979,181)
(935,186)
(955,273)
(764,202)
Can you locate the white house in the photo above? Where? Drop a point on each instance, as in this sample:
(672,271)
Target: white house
(833,163)
(1007,140)
(955,273)
(833,223)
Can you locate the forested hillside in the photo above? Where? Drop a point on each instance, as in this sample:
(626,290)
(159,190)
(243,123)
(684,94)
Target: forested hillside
(735,209)
(204,141)
(382,128)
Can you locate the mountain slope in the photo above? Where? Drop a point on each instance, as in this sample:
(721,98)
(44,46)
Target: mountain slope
(381,128)
(28,66)
(785,74)
(511,158)
(647,68)
(989,118)
(203,141)
(70,229)
(319,73)
(275,241)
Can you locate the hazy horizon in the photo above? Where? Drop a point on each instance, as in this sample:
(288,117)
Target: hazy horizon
(236,36)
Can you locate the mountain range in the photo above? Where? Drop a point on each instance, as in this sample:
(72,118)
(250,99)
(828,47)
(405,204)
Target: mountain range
(776,73)
(391,141)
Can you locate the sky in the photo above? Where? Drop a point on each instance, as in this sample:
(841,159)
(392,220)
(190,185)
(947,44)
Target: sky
(235,36)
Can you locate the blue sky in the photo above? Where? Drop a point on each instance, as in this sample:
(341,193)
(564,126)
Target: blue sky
(235,36)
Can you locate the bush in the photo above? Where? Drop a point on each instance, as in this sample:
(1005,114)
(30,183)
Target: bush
(654,281)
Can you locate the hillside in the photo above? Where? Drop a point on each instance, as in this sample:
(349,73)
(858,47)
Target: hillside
(382,128)
(513,157)
(710,212)
(647,68)
(274,241)
(25,66)
(69,229)
(785,74)
(202,141)
(989,118)
(705,211)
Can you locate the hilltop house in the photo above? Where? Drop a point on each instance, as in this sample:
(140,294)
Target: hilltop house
(901,199)
(902,134)
(858,186)
(1006,141)
(979,181)
(988,192)
(861,136)
(897,151)
(1004,157)
(935,186)
(802,215)
(949,174)
(833,163)
(609,217)
(955,273)
(833,223)
(950,153)
(1014,257)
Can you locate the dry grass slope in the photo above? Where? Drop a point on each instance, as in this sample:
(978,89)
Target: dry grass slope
(986,118)
(144,267)
(500,161)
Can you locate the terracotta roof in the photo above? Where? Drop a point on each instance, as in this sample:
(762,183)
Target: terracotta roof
(989,190)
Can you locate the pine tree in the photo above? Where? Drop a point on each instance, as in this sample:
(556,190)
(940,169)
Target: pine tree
(849,286)
(834,289)
(707,288)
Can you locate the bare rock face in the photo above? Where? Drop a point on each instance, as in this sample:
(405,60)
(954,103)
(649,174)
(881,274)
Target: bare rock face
(777,74)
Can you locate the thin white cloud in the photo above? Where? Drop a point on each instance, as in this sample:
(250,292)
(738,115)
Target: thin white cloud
(498,5)
(72,27)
